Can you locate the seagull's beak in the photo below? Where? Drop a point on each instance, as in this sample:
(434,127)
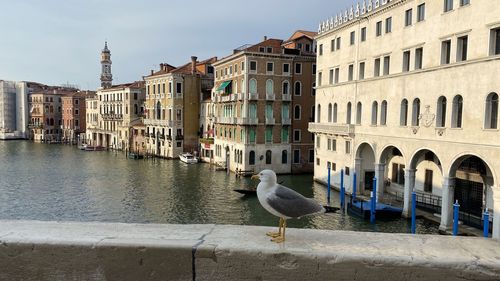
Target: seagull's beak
(255,177)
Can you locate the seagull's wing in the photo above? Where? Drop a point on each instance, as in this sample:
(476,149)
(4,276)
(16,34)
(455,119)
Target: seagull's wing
(291,203)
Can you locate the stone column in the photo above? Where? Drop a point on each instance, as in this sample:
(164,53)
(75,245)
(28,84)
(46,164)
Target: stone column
(380,175)
(447,203)
(496,212)
(357,168)
(409,187)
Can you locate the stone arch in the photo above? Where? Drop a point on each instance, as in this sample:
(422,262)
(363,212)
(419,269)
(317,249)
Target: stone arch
(426,169)
(391,165)
(365,166)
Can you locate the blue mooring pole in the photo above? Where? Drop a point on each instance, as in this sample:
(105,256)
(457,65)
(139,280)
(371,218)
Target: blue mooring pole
(354,187)
(486,223)
(342,189)
(413,212)
(372,207)
(456,207)
(375,189)
(329,187)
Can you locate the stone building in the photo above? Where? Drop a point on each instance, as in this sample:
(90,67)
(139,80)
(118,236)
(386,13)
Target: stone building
(173,96)
(73,115)
(14,109)
(264,99)
(45,115)
(407,92)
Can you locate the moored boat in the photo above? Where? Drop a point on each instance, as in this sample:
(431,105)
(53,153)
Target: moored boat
(188,158)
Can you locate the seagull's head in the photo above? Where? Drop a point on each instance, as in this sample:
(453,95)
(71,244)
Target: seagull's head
(266,176)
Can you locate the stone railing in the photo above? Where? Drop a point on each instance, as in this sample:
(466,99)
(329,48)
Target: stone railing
(247,121)
(42,251)
(336,129)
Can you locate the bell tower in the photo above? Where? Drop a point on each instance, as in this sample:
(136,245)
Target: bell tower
(106,76)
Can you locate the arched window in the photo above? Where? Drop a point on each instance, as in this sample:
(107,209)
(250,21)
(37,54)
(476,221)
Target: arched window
(269,87)
(374,113)
(415,121)
(251,158)
(359,112)
(348,113)
(441,112)
(296,112)
(404,113)
(334,118)
(284,157)
(383,113)
(330,113)
(136,109)
(456,114)
(318,119)
(268,157)
(298,88)
(313,90)
(158,110)
(252,85)
(311,118)
(286,88)
(491,114)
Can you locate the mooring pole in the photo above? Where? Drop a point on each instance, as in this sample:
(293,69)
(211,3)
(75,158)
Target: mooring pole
(456,207)
(486,223)
(413,212)
(354,187)
(329,187)
(372,207)
(341,188)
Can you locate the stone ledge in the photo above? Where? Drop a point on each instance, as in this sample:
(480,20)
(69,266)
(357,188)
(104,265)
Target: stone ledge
(33,250)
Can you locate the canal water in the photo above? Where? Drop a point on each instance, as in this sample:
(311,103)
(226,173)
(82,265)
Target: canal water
(52,182)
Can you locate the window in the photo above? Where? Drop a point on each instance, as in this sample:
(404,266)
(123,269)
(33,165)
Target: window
(320,49)
(251,158)
(252,135)
(404,113)
(242,66)
(462,48)
(313,90)
(298,68)
(419,55)
(311,156)
(337,74)
(269,49)
(296,112)
(361,70)
(296,135)
(330,112)
(269,135)
(408,17)
(332,45)
(179,88)
(308,48)
(318,142)
(406,61)
(376,68)
(268,157)
(286,68)
(284,134)
(378,28)
(374,113)
(352,37)
(383,113)
(334,117)
(491,114)
(338,43)
(445,52)
(464,2)
(286,88)
(320,77)
(448,5)
(428,181)
(350,73)
(253,66)
(398,173)
(284,157)
(270,67)
(314,69)
(495,41)
(421,12)
(318,120)
(347,147)
(330,80)
(298,88)
(252,86)
(388,25)
(269,87)
(348,113)
(456,114)
(296,156)
(359,111)
(415,121)
(363,34)
(441,112)
(387,64)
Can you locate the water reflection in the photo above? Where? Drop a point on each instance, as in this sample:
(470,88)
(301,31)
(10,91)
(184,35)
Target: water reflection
(55,182)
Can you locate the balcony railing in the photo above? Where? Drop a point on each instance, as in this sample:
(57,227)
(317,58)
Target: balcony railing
(247,121)
(270,121)
(226,120)
(179,137)
(336,129)
(286,121)
(110,116)
(287,97)
(253,96)
(270,97)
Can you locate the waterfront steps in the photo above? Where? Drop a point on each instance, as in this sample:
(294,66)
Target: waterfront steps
(35,250)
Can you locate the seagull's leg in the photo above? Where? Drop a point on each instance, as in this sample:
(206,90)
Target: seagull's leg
(281,237)
(276,234)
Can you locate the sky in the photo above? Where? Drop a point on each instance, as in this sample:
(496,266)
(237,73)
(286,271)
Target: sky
(59,42)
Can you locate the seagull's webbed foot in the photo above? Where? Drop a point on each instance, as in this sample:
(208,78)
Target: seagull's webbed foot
(281,237)
(276,234)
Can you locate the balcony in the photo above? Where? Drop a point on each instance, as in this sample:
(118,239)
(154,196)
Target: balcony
(247,121)
(287,97)
(179,137)
(286,121)
(112,116)
(152,122)
(169,137)
(270,121)
(332,129)
(253,96)
(270,97)
(240,96)
(226,120)
(207,141)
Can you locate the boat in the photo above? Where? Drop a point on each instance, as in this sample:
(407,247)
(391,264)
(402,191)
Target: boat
(82,146)
(133,155)
(188,158)
(361,209)
(246,191)
(94,148)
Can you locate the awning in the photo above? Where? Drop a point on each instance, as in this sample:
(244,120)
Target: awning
(224,85)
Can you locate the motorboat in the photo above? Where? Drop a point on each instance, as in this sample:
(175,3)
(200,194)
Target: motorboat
(94,148)
(188,158)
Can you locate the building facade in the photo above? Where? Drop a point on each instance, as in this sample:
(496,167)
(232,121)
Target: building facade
(45,116)
(263,98)
(407,92)
(173,96)
(14,109)
(73,116)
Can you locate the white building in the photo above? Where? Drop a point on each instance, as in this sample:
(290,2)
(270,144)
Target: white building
(407,92)
(13,109)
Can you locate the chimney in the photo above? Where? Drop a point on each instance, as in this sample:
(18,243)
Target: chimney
(152,71)
(265,38)
(162,66)
(193,64)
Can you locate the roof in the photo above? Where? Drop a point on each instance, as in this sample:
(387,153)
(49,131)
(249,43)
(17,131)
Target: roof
(301,33)
(136,84)
(184,69)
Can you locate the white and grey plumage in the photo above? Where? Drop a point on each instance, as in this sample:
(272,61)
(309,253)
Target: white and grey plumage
(283,202)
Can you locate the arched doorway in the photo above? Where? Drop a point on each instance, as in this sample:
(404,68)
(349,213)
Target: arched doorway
(473,182)
(365,169)
(393,165)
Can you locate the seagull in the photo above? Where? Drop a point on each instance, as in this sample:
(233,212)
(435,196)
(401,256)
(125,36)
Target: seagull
(284,202)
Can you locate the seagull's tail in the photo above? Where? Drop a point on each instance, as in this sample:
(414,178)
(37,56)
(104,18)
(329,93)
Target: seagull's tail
(329,209)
